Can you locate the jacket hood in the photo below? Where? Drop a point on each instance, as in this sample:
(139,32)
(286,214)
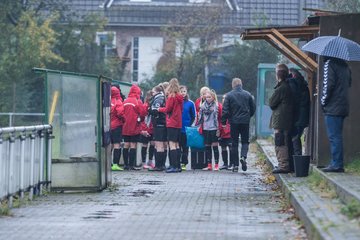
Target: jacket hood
(135,91)
(115,93)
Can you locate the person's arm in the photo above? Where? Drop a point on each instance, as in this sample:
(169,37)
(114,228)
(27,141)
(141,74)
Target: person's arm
(328,83)
(201,118)
(220,107)
(192,113)
(140,109)
(252,105)
(119,109)
(275,99)
(225,114)
(169,106)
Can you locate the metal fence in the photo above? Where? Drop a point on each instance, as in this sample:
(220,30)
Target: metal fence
(25,161)
(19,119)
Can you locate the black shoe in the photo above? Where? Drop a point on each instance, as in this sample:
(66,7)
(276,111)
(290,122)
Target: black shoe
(136,168)
(279,170)
(126,168)
(223,167)
(231,167)
(332,169)
(243,164)
(156,169)
(235,169)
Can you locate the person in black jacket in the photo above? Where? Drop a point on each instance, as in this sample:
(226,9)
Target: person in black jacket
(159,127)
(301,103)
(239,107)
(335,105)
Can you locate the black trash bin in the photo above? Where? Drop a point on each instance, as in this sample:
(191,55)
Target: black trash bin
(301,165)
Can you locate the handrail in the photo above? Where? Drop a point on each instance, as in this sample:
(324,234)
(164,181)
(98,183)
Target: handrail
(25,161)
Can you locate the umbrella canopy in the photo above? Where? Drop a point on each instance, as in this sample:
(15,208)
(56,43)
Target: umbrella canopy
(334,46)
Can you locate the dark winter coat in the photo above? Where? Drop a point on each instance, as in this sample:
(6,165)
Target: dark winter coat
(301,101)
(239,107)
(117,109)
(335,90)
(281,104)
(158,119)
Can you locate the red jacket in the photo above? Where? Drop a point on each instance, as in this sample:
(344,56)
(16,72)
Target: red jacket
(117,109)
(225,132)
(197,108)
(173,110)
(146,123)
(133,109)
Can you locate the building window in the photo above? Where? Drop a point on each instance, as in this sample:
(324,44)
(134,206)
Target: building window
(135,63)
(107,40)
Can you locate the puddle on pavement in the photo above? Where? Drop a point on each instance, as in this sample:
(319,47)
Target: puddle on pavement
(256,189)
(152,182)
(117,204)
(141,193)
(105,214)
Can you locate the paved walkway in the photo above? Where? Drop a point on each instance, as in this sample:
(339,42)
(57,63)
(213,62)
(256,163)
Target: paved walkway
(144,205)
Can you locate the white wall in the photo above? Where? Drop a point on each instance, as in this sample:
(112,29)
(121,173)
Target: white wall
(150,51)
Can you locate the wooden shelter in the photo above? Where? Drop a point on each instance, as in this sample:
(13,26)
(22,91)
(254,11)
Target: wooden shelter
(279,37)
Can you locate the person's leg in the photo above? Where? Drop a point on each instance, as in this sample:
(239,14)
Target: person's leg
(144,152)
(281,150)
(224,154)
(184,149)
(151,151)
(296,140)
(334,127)
(116,153)
(244,132)
(215,147)
(159,155)
(126,155)
(132,155)
(234,152)
(150,163)
(173,155)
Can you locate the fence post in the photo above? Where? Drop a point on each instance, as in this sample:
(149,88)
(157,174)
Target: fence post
(32,165)
(11,169)
(11,119)
(22,163)
(49,139)
(41,176)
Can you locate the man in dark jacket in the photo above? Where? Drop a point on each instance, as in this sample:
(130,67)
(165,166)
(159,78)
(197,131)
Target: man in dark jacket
(301,103)
(281,104)
(335,104)
(238,108)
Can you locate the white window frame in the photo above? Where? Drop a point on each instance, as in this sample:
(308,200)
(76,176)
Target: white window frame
(107,47)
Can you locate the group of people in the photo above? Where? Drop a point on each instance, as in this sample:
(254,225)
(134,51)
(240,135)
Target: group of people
(290,104)
(159,124)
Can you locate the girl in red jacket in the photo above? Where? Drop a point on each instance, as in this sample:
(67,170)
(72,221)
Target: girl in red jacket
(173,110)
(116,124)
(134,110)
